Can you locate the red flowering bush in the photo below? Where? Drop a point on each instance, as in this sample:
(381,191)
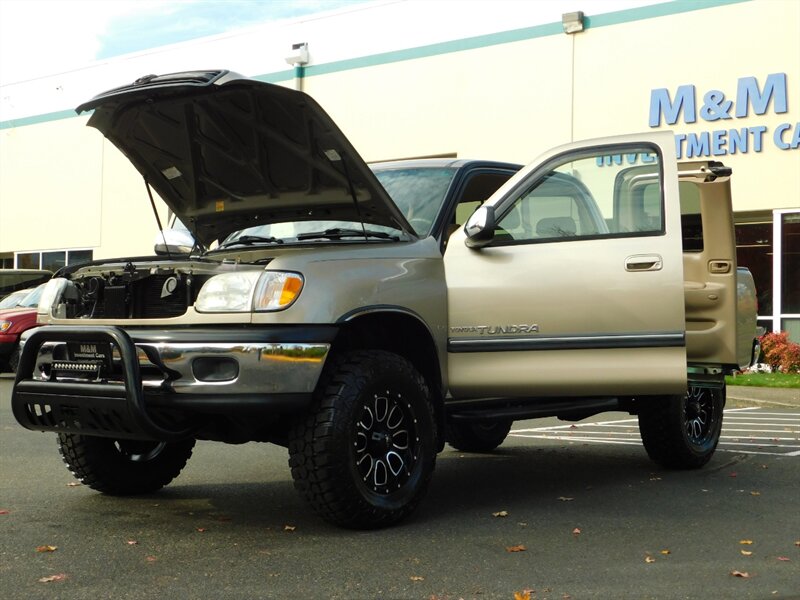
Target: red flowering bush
(780,353)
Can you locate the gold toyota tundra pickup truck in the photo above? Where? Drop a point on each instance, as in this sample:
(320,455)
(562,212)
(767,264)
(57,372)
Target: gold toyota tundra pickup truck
(364,316)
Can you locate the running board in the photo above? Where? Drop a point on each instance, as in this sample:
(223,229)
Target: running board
(567,409)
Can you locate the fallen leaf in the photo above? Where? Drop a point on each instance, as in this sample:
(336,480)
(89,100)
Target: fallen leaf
(502,513)
(755,493)
(4,511)
(289,528)
(517,548)
(46,548)
(48,579)
(746,552)
(565,499)
(151,559)
(784,558)
(576,531)
(417,578)
(132,542)
(732,475)
(665,552)
(523,595)
(74,484)
(201,530)
(797,543)
(743,575)
(573,426)
(746,542)
(649,559)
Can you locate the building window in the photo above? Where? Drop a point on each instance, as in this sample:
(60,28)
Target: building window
(790,273)
(29,260)
(754,251)
(77,257)
(52,260)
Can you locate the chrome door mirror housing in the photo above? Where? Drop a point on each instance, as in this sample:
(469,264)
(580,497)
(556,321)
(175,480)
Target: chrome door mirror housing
(480,227)
(173,241)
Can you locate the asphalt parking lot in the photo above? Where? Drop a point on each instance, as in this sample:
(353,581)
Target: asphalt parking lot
(559,511)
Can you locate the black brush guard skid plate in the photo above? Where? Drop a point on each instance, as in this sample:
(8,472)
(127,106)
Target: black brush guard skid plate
(115,410)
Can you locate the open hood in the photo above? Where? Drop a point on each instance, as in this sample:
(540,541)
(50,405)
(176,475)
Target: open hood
(226,152)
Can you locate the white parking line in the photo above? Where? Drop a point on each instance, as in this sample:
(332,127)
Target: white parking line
(739,432)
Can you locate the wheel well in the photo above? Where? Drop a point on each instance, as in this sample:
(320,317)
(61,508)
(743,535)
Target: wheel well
(402,334)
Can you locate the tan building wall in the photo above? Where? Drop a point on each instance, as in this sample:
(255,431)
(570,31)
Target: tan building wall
(506,95)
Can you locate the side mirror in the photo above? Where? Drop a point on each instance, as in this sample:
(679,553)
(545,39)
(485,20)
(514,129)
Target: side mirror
(480,227)
(173,241)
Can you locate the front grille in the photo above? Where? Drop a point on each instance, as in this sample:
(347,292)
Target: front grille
(151,304)
(143,299)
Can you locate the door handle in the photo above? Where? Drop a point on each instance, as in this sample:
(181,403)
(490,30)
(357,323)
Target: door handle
(644,262)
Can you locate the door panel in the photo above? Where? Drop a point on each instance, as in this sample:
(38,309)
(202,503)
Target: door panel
(709,262)
(581,290)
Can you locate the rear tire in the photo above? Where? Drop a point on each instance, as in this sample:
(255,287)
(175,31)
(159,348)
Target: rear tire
(123,467)
(477,436)
(682,432)
(364,455)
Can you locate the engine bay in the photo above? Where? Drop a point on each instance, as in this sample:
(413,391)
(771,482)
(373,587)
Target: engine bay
(130,292)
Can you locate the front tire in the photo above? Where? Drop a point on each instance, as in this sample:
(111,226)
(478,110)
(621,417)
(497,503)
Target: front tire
(123,467)
(477,436)
(682,432)
(364,455)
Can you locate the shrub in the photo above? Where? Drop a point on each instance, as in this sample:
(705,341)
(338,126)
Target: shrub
(780,353)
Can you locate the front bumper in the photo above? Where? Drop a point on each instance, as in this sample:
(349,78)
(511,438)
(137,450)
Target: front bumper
(6,347)
(151,382)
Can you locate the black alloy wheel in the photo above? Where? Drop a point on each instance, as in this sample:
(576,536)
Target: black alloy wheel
(682,431)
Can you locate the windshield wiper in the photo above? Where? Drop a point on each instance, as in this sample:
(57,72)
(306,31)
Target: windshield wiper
(249,240)
(338,233)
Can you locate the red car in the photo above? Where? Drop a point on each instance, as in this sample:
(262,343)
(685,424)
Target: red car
(13,321)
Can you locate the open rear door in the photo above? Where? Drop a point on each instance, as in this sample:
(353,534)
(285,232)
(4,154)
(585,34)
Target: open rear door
(709,263)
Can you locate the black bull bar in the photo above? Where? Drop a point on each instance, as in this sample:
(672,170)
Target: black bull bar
(95,408)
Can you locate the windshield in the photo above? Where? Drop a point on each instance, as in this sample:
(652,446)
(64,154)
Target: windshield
(304,231)
(418,192)
(32,299)
(13,299)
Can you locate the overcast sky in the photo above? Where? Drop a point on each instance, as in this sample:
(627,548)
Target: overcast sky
(42,37)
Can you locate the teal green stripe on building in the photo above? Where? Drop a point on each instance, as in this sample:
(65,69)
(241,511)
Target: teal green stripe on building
(276,77)
(53,116)
(482,41)
(630,15)
(516,35)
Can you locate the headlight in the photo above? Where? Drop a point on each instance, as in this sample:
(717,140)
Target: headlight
(229,292)
(249,290)
(4,325)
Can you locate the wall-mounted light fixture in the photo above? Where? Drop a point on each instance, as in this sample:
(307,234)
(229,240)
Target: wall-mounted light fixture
(572,21)
(299,56)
